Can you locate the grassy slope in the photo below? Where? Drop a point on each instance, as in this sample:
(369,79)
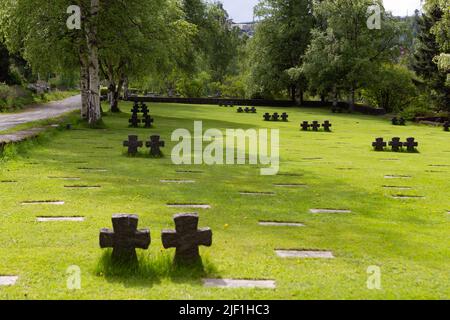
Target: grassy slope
(408,239)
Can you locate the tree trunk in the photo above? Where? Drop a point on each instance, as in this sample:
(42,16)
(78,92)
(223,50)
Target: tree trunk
(293,94)
(335,97)
(352,99)
(114,103)
(125,88)
(84,84)
(301,96)
(94,111)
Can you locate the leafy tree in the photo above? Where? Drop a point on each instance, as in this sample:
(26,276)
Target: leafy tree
(280,41)
(427,50)
(392,88)
(345,53)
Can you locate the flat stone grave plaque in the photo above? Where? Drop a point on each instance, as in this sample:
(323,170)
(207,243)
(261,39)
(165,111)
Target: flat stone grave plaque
(304,254)
(235,283)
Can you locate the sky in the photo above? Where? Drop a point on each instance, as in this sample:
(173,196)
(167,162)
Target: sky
(242,10)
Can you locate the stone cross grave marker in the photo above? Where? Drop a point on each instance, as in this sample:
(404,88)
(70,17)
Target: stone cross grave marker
(135,109)
(411,144)
(305,125)
(144,109)
(186,238)
(396,144)
(267,116)
(247,109)
(155,144)
(125,238)
(394,121)
(315,125)
(253,110)
(134,121)
(379,144)
(401,121)
(148,121)
(133,144)
(284,116)
(327,126)
(240,110)
(275,116)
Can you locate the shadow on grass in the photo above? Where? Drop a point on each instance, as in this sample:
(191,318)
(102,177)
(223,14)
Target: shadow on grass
(151,269)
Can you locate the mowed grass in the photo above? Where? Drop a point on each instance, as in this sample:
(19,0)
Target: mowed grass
(408,239)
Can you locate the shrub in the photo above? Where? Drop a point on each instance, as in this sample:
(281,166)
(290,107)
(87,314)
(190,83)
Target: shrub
(392,88)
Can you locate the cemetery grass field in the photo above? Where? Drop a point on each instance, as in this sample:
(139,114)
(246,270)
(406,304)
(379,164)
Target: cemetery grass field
(409,239)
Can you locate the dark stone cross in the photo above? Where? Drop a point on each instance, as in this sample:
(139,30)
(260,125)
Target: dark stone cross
(396,144)
(395,121)
(275,116)
(125,238)
(305,126)
(327,125)
(240,110)
(267,116)
(253,110)
(134,121)
(284,116)
(410,144)
(133,144)
(247,109)
(154,144)
(315,125)
(148,121)
(447,126)
(379,144)
(144,110)
(186,238)
(135,109)
(401,122)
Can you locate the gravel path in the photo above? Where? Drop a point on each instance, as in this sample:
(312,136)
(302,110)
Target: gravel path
(40,112)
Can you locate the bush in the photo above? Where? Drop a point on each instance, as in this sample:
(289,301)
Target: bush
(392,88)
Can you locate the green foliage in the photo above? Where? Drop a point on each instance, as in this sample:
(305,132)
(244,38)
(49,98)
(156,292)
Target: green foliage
(279,43)
(345,54)
(391,88)
(428,49)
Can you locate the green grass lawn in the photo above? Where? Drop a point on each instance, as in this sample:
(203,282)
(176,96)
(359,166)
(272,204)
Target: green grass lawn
(408,239)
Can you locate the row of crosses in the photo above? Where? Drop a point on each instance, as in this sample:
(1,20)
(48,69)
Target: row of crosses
(396,144)
(125,237)
(154,144)
(147,120)
(246,110)
(398,121)
(315,126)
(275,116)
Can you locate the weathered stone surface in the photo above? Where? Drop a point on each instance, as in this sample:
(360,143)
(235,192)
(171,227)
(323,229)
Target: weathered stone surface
(189,205)
(397,177)
(133,144)
(186,238)
(401,196)
(124,237)
(44,202)
(329,211)
(155,144)
(411,144)
(8,280)
(235,283)
(280,224)
(250,193)
(304,254)
(60,219)
(179,181)
(396,144)
(379,144)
